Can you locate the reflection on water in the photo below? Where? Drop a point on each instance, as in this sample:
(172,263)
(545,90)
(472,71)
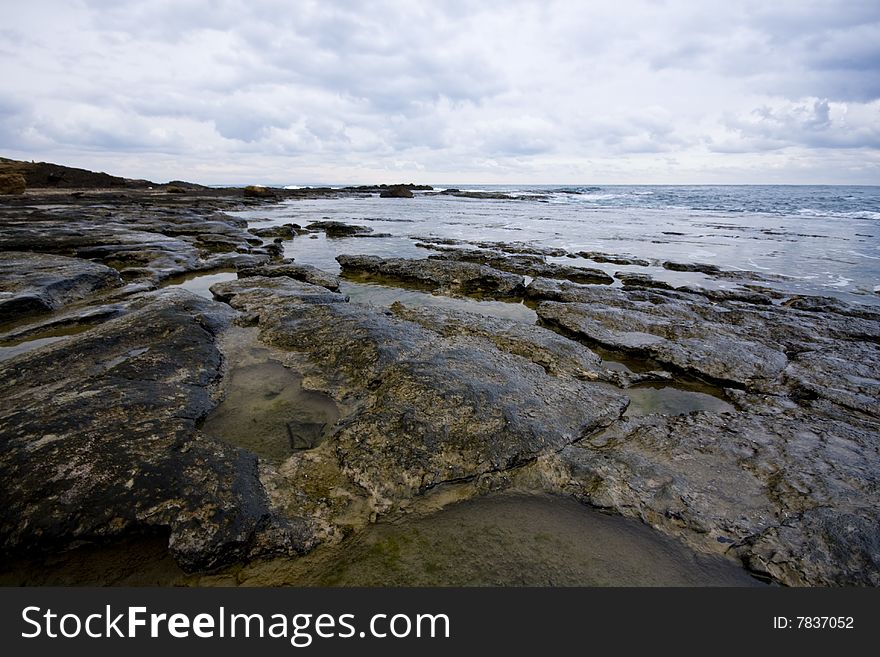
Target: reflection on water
(497,540)
(671,400)
(267,411)
(383,296)
(518,540)
(13,348)
(200,282)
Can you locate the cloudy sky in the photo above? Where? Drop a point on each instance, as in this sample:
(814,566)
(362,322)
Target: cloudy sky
(282,91)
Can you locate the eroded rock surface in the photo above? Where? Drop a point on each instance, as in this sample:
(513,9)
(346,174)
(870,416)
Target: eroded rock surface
(99,439)
(526,265)
(435,409)
(294,270)
(33,283)
(443,276)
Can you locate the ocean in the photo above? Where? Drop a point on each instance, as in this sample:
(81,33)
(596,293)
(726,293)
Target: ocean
(816,240)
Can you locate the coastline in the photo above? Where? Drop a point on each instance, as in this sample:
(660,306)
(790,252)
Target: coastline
(407,410)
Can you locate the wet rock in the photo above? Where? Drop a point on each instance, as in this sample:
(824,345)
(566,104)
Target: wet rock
(447,277)
(64,320)
(100,440)
(433,408)
(155,243)
(296,271)
(673,339)
(831,305)
(596,256)
(761,485)
(12,183)
(558,355)
(256,294)
(845,372)
(526,265)
(692,267)
(496,196)
(34,283)
(528,249)
(285,232)
(257,191)
(741,295)
(631,279)
(338,228)
(396,191)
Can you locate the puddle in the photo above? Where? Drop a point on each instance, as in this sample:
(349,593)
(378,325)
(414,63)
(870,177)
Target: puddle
(200,282)
(375,294)
(29,345)
(510,540)
(14,348)
(647,399)
(267,411)
(137,561)
(497,540)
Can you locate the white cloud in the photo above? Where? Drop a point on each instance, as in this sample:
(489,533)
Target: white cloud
(648,91)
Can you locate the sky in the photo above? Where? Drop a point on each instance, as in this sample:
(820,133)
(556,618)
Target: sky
(443,92)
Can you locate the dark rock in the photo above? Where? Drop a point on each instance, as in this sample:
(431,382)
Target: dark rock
(676,338)
(260,294)
(558,355)
(258,191)
(525,265)
(155,243)
(761,485)
(396,191)
(711,270)
(100,441)
(12,183)
(338,229)
(33,282)
(630,279)
(595,256)
(296,271)
(285,232)
(741,295)
(433,409)
(447,277)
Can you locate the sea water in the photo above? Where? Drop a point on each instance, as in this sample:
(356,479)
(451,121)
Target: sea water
(817,240)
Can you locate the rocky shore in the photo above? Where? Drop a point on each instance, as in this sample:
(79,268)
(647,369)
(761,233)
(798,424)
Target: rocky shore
(118,396)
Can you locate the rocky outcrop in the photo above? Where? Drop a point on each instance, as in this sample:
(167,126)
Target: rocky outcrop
(295,271)
(434,409)
(526,265)
(396,191)
(99,440)
(790,492)
(134,241)
(614,259)
(702,268)
(12,183)
(285,232)
(339,229)
(36,283)
(442,276)
(257,191)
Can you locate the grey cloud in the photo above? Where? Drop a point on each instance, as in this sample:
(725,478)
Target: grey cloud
(809,124)
(503,88)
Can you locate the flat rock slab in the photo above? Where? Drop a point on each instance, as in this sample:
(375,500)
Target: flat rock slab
(98,439)
(443,276)
(526,265)
(791,493)
(306,273)
(33,282)
(140,243)
(435,409)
